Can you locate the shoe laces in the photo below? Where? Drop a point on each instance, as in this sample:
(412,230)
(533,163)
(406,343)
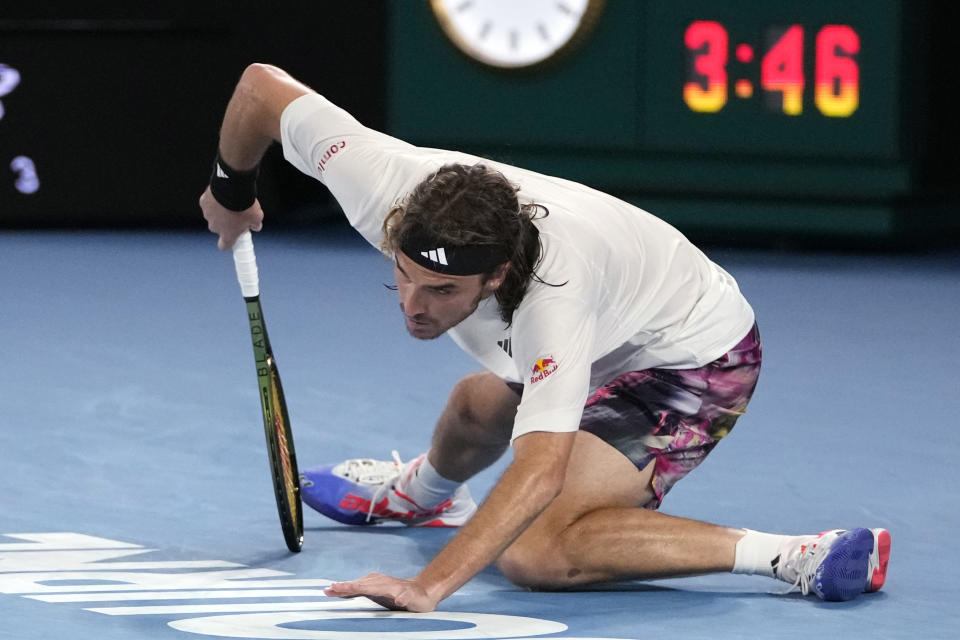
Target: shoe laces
(371,472)
(806,565)
(805,561)
(385,473)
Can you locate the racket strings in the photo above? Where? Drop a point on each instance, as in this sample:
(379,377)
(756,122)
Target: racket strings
(286,467)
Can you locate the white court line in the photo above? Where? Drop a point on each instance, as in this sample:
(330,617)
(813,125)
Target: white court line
(62,541)
(258,583)
(121,566)
(319,605)
(176,595)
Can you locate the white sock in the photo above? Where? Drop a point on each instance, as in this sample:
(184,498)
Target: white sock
(428,488)
(758,553)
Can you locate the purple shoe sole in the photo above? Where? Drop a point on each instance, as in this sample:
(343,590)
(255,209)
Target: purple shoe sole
(843,573)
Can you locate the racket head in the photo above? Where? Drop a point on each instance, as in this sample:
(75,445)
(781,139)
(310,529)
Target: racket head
(283,456)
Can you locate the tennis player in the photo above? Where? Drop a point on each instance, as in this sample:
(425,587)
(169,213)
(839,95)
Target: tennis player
(616,356)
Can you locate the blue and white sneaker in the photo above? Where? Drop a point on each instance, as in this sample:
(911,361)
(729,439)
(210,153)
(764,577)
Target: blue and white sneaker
(836,565)
(363,491)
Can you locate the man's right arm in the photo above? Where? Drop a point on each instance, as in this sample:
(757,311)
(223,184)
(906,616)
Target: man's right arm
(250,125)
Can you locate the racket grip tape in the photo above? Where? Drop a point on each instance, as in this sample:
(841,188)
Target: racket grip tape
(245,262)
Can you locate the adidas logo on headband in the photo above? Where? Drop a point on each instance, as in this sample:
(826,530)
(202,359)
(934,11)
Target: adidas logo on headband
(453,260)
(437,255)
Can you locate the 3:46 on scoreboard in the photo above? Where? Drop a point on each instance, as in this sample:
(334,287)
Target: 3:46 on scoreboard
(781,69)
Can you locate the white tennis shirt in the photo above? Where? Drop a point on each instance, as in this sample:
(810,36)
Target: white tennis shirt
(638,294)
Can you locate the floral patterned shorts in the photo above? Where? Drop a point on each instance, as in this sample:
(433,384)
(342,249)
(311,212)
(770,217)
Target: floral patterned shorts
(674,417)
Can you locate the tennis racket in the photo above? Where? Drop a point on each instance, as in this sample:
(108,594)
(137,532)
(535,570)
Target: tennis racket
(276,422)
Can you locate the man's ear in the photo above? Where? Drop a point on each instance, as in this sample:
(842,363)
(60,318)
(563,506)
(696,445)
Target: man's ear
(497,278)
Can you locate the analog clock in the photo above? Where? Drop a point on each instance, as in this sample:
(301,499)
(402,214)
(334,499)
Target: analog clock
(507,34)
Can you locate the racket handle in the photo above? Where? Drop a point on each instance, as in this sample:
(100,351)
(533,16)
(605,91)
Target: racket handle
(246,263)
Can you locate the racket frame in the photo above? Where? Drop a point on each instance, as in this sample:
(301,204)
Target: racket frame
(274,405)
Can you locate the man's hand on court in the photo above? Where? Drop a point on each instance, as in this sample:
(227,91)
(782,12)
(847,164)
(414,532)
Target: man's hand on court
(393,593)
(229,224)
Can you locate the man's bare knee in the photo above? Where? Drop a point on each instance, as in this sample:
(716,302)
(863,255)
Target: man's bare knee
(474,429)
(539,568)
(483,401)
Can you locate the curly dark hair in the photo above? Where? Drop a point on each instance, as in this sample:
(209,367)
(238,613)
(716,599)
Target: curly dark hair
(464,205)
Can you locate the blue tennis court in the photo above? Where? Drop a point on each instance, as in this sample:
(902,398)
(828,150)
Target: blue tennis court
(136,500)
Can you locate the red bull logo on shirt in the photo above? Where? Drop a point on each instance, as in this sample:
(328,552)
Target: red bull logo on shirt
(542,367)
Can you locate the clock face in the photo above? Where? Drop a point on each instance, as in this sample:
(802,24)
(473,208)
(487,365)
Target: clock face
(512,35)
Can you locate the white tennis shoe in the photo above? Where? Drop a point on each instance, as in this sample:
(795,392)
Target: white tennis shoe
(364,491)
(837,564)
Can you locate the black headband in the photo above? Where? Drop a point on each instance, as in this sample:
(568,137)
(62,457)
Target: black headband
(466,260)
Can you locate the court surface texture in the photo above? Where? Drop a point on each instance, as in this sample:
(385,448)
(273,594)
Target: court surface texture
(135,500)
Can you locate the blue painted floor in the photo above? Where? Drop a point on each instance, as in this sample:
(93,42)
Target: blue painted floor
(130,426)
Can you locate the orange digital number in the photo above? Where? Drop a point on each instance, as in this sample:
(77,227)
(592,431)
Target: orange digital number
(706,88)
(781,70)
(837,91)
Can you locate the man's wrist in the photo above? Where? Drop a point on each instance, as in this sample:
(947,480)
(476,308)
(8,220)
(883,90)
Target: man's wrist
(433,589)
(233,189)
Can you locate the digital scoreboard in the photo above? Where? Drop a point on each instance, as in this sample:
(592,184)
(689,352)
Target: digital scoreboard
(813,79)
(764,115)
(782,78)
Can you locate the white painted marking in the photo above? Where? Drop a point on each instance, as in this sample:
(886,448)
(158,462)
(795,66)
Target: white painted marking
(266,626)
(176,609)
(137,581)
(57,541)
(48,566)
(179,595)
(88,560)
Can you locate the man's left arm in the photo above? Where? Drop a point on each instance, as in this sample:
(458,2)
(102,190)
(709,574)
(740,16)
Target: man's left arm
(529,485)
